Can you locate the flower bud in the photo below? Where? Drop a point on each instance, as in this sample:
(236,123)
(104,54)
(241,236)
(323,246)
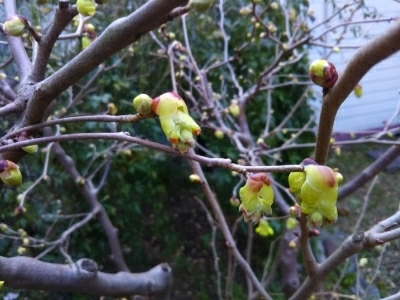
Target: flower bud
(21,250)
(10,173)
(323,73)
(245,11)
(292,244)
(294,211)
(195,178)
(257,197)
(264,229)
(201,5)
(112,109)
(291,223)
(274,5)
(358,90)
(25,241)
(86,7)
(142,104)
(3,227)
(234,108)
(234,201)
(218,134)
(15,25)
(336,49)
(31,149)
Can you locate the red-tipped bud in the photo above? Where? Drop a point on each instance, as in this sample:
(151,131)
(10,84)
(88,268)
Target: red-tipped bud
(10,173)
(323,73)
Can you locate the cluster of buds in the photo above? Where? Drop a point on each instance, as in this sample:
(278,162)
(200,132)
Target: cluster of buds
(15,25)
(10,173)
(316,191)
(257,197)
(264,229)
(86,7)
(323,73)
(175,121)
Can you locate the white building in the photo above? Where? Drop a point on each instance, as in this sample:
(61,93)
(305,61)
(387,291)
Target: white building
(381,99)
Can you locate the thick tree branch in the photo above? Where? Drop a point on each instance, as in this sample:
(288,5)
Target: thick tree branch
(83,276)
(364,59)
(117,36)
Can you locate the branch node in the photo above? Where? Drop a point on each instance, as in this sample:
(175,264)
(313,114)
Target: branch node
(357,237)
(88,265)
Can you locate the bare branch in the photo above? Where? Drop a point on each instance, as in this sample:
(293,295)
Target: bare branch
(84,277)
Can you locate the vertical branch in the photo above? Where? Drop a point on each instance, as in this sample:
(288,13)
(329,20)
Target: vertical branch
(230,242)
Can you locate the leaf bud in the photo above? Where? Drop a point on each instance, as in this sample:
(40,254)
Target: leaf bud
(194,178)
(358,90)
(142,104)
(31,148)
(21,250)
(15,25)
(323,73)
(112,109)
(201,5)
(291,223)
(219,134)
(274,5)
(235,202)
(3,227)
(86,7)
(245,11)
(234,108)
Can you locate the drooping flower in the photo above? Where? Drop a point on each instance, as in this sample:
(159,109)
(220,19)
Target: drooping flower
(257,197)
(316,190)
(177,124)
(264,229)
(10,173)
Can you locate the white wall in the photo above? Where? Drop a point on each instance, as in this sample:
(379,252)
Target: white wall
(380,86)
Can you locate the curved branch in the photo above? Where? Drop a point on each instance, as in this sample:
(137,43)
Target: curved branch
(84,277)
(364,59)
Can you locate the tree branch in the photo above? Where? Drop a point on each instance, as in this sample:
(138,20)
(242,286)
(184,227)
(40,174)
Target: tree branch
(83,276)
(364,59)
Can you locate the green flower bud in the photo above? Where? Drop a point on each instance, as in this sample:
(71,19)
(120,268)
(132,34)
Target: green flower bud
(86,7)
(291,223)
(323,73)
(316,218)
(234,108)
(218,134)
(31,149)
(274,5)
(264,229)
(358,90)
(15,25)
(142,104)
(296,180)
(201,5)
(175,121)
(112,109)
(257,197)
(3,227)
(245,11)
(10,173)
(195,178)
